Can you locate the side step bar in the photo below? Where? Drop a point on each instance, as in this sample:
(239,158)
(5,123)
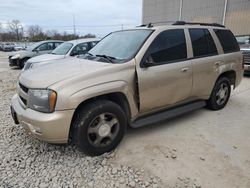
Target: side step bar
(168,114)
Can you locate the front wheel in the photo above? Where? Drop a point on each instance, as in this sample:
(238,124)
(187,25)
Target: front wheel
(220,94)
(99,127)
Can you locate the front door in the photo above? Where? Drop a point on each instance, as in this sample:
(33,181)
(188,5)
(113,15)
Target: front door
(165,73)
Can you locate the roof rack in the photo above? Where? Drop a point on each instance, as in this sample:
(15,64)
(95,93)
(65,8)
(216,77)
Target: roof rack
(146,25)
(182,23)
(197,23)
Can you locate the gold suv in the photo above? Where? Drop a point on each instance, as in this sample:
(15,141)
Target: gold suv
(130,78)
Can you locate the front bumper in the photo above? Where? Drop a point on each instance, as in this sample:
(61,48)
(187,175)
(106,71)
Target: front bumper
(51,128)
(13,62)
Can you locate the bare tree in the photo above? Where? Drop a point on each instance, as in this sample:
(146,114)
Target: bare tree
(34,30)
(52,33)
(16,27)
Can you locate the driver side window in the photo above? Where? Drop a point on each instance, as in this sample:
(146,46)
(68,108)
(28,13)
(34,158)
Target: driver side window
(80,49)
(45,47)
(169,46)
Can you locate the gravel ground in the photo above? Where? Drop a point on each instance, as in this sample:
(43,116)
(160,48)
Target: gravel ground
(27,162)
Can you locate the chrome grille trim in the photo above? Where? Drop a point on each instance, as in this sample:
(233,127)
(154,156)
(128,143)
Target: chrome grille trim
(23,94)
(246,54)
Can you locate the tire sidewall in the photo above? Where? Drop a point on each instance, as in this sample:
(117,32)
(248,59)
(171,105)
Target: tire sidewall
(212,101)
(85,121)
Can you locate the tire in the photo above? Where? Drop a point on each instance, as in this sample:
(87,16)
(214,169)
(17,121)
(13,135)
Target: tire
(220,94)
(22,62)
(99,127)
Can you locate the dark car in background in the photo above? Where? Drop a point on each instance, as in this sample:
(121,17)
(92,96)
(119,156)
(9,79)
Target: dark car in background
(44,47)
(244,42)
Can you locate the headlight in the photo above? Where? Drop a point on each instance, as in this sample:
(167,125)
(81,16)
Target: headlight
(42,100)
(28,65)
(16,56)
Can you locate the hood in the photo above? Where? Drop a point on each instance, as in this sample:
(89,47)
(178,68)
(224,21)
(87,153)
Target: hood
(46,57)
(23,53)
(45,76)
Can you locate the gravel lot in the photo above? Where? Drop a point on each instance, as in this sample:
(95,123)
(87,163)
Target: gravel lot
(200,149)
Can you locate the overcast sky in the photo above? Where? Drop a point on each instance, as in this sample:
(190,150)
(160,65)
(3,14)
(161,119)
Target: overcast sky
(91,16)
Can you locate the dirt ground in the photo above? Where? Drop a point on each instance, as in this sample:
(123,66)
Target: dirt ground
(200,149)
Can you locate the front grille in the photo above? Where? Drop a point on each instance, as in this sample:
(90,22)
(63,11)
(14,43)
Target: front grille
(23,100)
(25,89)
(246,55)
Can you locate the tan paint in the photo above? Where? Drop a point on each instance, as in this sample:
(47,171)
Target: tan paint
(160,87)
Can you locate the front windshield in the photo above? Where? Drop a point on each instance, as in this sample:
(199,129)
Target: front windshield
(62,49)
(121,45)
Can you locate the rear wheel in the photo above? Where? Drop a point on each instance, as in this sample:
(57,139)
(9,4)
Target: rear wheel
(220,94)
(99,127)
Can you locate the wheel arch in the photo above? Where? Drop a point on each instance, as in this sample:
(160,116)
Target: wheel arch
(116,97)
(231,75)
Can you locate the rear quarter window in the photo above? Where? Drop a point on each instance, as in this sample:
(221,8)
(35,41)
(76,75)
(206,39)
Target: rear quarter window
(227,40)
(202,42)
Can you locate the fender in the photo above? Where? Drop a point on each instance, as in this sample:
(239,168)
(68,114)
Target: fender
(102,89)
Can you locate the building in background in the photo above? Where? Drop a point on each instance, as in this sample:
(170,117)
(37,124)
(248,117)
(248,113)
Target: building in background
(235,14)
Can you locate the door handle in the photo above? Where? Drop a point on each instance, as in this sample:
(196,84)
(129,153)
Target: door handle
(185,69)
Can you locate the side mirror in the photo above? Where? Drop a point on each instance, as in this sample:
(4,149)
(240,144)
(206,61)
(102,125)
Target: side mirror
(148,62)
(36,50)
(73,54)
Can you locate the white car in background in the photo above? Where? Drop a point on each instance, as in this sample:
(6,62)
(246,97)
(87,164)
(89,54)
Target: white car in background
(65,50)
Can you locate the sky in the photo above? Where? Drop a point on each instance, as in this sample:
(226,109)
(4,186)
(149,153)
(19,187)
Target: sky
(98,17)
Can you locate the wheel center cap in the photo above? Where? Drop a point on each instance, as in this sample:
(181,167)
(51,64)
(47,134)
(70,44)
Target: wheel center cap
(104,130)
(222,94)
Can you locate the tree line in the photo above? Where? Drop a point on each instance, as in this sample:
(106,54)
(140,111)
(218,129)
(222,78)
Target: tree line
(34,33)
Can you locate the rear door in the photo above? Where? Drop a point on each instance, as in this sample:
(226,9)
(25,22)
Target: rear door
(206,61)
(165,73)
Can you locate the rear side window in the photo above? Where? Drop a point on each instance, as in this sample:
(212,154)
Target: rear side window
(227,40)
(202,42)
(169,46)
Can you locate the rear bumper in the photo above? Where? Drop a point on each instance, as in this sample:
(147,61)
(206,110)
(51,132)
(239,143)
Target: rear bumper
(52,128)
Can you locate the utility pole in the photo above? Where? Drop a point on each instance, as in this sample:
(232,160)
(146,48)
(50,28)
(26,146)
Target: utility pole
(180,11)
(224,12)
(122,26)
(74,25)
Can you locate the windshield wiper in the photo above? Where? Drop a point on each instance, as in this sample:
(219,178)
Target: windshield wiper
(109,58)
(89,54)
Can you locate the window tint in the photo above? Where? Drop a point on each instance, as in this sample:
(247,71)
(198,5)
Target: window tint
(57,44)
(202,42)
(80,49)
(46,46)
(169,46)
(227,40)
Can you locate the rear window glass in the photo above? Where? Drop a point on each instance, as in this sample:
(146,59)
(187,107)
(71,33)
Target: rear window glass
(227,40)
(202,42)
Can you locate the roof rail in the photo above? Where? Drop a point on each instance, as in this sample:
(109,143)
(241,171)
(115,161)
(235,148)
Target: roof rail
(197,23)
